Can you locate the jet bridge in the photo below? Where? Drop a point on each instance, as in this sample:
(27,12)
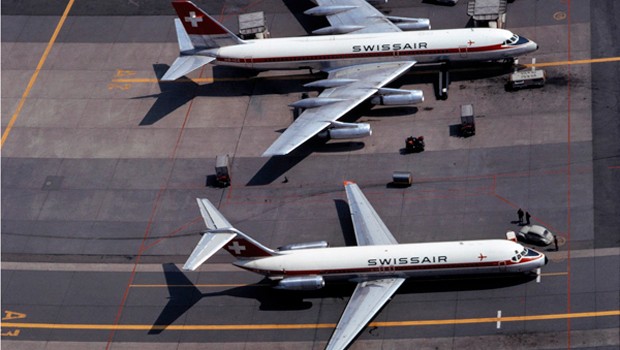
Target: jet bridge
(488,13)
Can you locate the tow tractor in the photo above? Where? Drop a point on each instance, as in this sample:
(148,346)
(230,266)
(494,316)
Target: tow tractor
(414,144)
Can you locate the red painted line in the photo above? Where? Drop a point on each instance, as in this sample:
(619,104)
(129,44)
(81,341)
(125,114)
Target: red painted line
(547,225)
(172,234)
(147,230)
(568,174)
(614,167)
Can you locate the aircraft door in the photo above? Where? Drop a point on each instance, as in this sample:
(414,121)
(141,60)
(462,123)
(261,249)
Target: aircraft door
(502,266)
(463,51)
(247,61)
(388,268)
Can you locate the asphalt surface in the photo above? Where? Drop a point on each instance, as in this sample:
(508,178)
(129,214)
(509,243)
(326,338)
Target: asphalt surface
(101,166)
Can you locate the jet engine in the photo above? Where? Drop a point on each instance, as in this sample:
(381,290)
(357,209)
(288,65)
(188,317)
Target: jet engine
(407,23)
(342,29)
(340,130)
(307,245)
(328,10)
(395,97)
(301,283)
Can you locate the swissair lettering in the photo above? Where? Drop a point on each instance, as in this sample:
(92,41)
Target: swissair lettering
(390,47)
(408,261)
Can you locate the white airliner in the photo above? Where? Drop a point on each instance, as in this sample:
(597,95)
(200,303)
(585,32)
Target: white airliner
(361,52)
(378,264)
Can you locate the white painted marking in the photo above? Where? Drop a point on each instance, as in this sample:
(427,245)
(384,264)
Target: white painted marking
(193,19)
(538,275)
(499,316)
(236,247)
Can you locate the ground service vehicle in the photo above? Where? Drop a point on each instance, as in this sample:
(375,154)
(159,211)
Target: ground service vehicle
(468,122)
(526,79)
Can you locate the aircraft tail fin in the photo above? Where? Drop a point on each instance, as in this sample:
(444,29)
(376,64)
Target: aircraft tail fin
(221,234)
(203,30)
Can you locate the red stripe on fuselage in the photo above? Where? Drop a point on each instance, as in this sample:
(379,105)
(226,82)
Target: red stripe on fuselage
(356,55)
(383,269)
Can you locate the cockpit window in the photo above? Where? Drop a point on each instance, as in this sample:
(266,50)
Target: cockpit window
(513,40)
(519,255)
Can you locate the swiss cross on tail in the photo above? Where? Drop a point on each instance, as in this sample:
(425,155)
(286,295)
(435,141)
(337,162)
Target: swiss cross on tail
(244,248)
(195,21)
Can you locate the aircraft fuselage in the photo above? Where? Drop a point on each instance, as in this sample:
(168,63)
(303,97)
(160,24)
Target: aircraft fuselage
(333,51)
(403,260)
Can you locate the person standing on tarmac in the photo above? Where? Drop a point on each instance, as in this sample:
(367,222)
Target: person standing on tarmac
(520,214)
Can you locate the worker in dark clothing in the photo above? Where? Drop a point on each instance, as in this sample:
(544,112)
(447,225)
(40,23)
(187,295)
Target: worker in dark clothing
(520,214)
(527,217)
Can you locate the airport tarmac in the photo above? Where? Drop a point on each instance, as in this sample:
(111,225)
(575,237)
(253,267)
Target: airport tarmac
(101,166)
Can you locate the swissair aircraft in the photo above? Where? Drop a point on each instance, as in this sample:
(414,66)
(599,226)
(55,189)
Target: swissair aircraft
(378,264)
(361,52)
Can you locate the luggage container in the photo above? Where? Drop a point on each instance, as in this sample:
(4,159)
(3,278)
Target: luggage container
(402,178)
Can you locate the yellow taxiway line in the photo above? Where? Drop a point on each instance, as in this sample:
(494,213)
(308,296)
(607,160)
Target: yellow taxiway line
(237,327)
(567,63)
(35,75)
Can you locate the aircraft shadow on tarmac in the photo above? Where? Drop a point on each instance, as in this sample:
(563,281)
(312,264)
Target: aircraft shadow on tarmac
(228,82)
(184,294)
(308,23)
(277,166)
(176,94)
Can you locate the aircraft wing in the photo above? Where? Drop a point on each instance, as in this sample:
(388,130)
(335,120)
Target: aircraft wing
(362,82)
(367,299)
(363,15)
(368,226)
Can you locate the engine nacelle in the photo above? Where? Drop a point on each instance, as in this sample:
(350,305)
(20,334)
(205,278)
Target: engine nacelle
(301,283)
(307,245)
(342,29)
(330,83)
(328,10)
(407,23)
(340,130)
(396,97)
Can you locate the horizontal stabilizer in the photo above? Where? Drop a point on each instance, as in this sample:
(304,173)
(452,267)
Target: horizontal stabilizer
(208,245)
(213,218)
(184,65)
